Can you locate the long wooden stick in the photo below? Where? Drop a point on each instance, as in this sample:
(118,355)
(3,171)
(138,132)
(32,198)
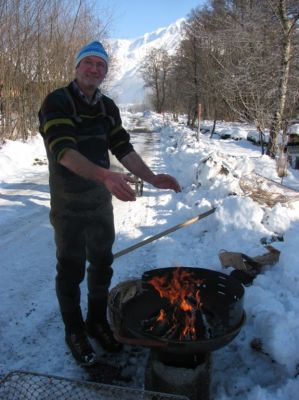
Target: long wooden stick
(164,233)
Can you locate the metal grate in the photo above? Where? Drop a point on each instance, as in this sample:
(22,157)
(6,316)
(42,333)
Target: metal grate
(21,385)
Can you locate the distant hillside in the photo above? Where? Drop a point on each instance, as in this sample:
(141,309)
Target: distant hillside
(128,85)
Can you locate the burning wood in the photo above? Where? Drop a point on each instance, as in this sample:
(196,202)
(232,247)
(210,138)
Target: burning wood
(184,318)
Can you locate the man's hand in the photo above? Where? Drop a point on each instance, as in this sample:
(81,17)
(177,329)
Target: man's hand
(117,184)
(134,163)
(165,181)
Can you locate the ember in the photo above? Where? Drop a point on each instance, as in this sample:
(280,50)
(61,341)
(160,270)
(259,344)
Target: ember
(184,317)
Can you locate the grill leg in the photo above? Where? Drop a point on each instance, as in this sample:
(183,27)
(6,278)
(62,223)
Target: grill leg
(193,382)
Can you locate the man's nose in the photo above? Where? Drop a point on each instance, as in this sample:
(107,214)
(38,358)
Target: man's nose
(93,68)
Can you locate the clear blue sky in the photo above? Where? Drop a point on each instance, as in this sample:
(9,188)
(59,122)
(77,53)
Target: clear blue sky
(134,18)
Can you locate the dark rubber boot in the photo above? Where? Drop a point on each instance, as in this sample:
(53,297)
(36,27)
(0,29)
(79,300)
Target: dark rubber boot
(81,348)
(97,326)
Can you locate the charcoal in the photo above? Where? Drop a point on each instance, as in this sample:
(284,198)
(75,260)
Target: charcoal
(192,301)
(154,326)
(160,328)
(146,324)
(207,324)
(214,324)
(204,329)
(172,333)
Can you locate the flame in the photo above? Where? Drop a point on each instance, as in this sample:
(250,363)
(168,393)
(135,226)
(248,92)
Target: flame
(189,328)
(182,291)
(162,315)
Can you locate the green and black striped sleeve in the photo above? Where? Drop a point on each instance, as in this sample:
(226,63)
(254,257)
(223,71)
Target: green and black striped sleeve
(119,138)
(56,124)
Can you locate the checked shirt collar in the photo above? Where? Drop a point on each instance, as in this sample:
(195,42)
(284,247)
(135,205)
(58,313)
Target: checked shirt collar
(96,97)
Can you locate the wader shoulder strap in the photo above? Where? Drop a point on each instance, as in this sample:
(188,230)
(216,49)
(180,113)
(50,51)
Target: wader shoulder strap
(112,120)
(71,100)
(103,106)
(75,114)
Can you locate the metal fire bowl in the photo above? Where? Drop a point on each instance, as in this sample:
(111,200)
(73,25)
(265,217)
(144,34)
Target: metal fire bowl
(221,294)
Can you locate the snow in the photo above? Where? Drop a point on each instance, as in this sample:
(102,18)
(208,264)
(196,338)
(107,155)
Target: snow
(293,129)
(209,170)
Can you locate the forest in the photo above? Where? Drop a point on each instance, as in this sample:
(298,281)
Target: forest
(237,60)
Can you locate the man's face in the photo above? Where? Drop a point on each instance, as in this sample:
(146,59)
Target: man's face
(90,73)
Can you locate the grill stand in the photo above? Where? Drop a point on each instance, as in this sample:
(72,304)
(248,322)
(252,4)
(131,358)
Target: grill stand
(181,376)
(174,367)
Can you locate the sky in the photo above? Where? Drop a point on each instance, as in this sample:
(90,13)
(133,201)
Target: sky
(134,18)
(212,172)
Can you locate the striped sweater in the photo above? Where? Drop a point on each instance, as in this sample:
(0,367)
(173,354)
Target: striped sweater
(68,122)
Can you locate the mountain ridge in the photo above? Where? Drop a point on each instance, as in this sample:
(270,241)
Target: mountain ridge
(127,86)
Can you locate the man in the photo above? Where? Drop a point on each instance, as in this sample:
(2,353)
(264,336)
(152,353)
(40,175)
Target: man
(79,125)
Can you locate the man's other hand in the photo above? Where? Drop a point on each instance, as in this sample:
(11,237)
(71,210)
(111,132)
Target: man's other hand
(165,181)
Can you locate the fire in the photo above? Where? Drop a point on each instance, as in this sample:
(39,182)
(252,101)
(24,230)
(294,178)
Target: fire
(162,315)
(182,292)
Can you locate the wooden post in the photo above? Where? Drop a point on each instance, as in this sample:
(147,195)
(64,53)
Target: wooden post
(199,116)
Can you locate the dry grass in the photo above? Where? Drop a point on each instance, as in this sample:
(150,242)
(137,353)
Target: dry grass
(265,191)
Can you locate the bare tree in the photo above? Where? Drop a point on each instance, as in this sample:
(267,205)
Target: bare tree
(38,42)
(155,70)
(287,14)
(238,71)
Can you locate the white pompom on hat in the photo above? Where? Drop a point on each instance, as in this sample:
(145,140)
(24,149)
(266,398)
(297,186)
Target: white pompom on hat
(92,49)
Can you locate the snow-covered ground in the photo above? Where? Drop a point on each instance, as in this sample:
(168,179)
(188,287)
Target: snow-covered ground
(209,171)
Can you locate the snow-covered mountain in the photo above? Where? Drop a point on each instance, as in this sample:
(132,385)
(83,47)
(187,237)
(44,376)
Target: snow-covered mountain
(127,86)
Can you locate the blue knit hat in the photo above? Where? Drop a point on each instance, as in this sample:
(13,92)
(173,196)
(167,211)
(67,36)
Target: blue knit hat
(92,49)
